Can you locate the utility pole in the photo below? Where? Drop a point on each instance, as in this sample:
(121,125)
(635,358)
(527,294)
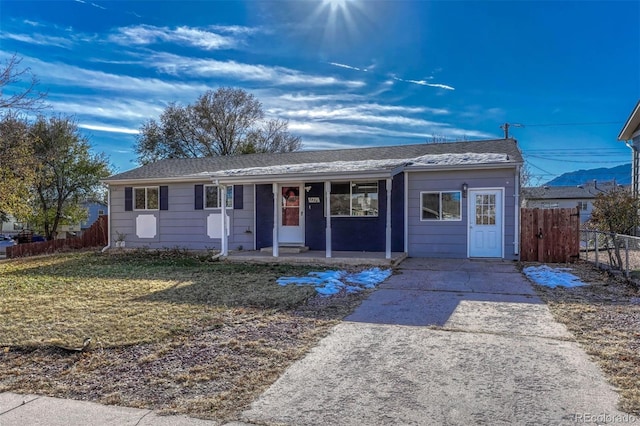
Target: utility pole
(506,126)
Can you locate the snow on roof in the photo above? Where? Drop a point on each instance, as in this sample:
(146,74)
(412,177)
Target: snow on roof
(469,158)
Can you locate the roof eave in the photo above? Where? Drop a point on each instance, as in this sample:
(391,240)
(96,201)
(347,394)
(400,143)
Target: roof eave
(156,180)
(633,122)
(426,168)
(305,177)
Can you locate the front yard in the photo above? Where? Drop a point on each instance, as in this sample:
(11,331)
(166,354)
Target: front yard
(605,318)
(169,332)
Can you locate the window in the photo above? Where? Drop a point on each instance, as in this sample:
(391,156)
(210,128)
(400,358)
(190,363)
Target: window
(354,199)
(441,205)
(146,198)
(100,212)
(485,209)
(212,197)
(583,205)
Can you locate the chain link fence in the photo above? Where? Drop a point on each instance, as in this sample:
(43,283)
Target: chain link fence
(610,251)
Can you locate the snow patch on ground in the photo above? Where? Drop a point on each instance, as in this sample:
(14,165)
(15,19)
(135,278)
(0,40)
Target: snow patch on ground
(331,282)
(552,277)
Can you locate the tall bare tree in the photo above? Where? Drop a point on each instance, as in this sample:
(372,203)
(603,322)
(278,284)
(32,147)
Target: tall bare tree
(15,93)
(227,121)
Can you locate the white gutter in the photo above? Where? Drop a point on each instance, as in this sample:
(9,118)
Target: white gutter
(108,246)
(516,237)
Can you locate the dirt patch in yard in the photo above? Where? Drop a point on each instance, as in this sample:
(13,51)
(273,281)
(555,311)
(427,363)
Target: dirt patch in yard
(605,318)
(175,334)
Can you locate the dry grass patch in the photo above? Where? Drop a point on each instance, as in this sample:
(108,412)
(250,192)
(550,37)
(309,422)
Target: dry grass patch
(169,332)
(605,318)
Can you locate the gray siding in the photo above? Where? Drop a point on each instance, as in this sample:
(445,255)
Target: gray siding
(448,239)
(183,226)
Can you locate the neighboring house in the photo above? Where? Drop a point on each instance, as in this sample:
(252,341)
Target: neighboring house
(553,197)
(630,134)
(95,209)
(454,200)
(11,226)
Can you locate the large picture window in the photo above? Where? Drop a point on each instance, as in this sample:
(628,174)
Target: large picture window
(441,205)
(213,197)
(146,198)
(354,199)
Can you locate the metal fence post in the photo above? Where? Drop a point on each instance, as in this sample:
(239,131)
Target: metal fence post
(626,250)
(595,233)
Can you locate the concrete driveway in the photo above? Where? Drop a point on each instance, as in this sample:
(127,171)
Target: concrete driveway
(444,342)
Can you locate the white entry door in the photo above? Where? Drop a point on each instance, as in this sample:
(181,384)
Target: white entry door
(291,220)
(485,223)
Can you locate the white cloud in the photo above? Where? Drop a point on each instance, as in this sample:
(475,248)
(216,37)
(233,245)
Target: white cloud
(32,23)
(425,83)
(349,67)
(196,67)
(124,110)
(365,113)
(39,39)
(109,129)
(73,76)
(183,35)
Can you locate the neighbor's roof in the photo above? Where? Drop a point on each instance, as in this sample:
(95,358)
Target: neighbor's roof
(632,124)
(580,192)
(417,156)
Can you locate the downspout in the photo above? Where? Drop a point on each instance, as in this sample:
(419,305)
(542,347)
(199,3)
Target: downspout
(516,239)
(634,167)
(108,246)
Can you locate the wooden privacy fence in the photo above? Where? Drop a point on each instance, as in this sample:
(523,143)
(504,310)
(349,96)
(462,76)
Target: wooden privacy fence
(95,236)
(550,235)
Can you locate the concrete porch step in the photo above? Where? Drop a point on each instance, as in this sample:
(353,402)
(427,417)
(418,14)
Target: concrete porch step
(286,249)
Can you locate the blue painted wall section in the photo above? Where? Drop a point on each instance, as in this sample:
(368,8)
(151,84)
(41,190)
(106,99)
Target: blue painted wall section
(264,216)
(348,233)
(397,213)
(315,222)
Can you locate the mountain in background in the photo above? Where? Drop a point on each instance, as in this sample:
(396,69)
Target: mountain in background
(621,174)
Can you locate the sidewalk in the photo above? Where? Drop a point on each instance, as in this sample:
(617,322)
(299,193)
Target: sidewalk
(33,410)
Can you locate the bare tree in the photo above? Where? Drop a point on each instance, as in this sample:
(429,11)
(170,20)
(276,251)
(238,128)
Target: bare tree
(24,97)
(273,136)
(227,121)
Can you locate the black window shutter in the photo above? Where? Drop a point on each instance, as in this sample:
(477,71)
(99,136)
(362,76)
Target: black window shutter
(128,198)
(198,194)
(237,197)
(164,197)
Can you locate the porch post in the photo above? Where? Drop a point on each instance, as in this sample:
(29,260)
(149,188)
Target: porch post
(327,203)
(388,233)
(224,241)
(276,209)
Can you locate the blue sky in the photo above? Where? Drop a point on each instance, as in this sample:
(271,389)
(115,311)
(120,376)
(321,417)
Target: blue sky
(347,73)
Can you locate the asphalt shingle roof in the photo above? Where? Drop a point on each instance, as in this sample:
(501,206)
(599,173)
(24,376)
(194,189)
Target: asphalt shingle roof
(175,168)
(586,191)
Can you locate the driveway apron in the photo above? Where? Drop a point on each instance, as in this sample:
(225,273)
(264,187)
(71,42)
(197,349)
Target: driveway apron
(443,342)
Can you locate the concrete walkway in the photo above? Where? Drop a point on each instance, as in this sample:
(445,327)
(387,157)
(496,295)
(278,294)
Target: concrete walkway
(32,410)
(445,342)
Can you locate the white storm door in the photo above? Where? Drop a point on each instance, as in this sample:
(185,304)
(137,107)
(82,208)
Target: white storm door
(485,223)
(291,220)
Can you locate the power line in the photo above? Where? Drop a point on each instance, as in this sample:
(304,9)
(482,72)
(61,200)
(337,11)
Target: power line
(592,123)
(564,160)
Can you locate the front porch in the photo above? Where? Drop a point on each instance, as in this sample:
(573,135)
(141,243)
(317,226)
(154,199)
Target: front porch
(318,257)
